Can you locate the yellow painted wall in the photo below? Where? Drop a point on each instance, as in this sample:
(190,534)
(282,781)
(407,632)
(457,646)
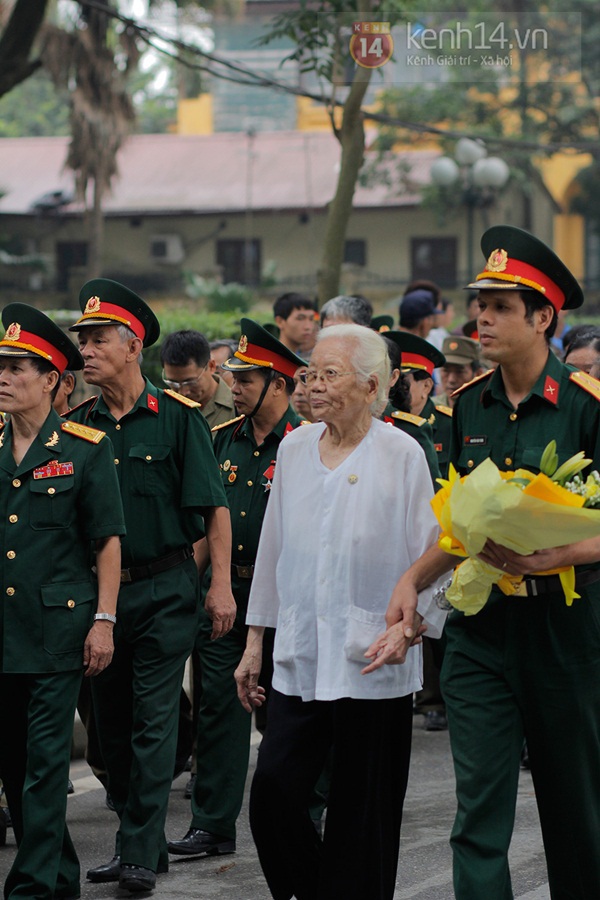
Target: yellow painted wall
(195,115)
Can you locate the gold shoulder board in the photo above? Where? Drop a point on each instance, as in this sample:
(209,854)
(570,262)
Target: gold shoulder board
(93,435)
(409,417)
(446,410)
(305,422)
(225,424)
(468,384)
(585,381)
(185,400)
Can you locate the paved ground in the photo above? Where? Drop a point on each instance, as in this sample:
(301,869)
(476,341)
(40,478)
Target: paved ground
(425,866)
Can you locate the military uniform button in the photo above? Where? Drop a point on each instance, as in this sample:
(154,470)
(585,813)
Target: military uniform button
(16,482)
(256,453)
(11,554)
(249,483)
(116,462)
(242,514)
(117,427)
(10,591)
(51,490)
(240,546)
(12,519)
(512,417)
(508,461)
(70,604)
(470,464)
(148,457)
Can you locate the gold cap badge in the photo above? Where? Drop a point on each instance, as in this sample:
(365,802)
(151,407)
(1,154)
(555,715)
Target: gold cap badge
(243,345)
(92,306)
(497,261)
(13,332)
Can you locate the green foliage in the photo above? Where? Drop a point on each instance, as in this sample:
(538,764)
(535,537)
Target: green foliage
(228,297)
(213,325)
(34,109)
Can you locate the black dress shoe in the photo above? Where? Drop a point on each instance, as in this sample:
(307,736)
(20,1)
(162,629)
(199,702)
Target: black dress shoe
(108,872)
(136,878)
(435,721)
(197,841)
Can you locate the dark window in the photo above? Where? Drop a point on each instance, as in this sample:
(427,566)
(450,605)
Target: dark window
(434,259)
(355,251)
(240,260)
(69,255)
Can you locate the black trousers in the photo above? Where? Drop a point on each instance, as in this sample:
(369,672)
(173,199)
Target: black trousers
(370,752)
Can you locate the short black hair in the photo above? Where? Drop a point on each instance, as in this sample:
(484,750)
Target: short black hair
(43,366)
(73,376)
(287,303)
(399,393)
(180,347)
(273,374)
(534,302)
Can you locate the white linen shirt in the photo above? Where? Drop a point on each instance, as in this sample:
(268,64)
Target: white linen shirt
(332,547)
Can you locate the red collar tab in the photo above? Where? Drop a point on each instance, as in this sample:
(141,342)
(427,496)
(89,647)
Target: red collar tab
(551,388)
(289,427)
(152,402)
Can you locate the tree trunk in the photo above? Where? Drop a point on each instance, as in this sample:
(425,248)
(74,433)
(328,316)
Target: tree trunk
(352,139)
(95,217)
(17,41)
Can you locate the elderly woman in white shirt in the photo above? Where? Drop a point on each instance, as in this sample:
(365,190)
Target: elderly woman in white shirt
(348,513)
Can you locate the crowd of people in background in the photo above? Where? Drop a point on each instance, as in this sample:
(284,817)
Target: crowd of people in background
(246,495)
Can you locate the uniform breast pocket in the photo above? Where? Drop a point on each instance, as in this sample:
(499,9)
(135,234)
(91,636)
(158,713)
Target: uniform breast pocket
(52,503)
(149,469)
(68,611)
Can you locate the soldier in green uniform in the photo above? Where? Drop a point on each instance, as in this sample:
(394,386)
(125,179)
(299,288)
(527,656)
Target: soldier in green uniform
(172,493)
(398,413)
(419,359)
(246,449)
(526,666)
(462,365)
(59,497)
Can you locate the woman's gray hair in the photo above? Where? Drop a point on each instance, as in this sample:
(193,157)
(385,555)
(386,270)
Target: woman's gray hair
(125,333)
(356,309)
(369,357)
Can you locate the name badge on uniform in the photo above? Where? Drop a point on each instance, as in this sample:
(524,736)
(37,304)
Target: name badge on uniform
(53,470)
(476,440)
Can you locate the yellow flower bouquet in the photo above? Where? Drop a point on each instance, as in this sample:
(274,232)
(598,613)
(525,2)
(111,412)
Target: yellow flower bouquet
(520,510)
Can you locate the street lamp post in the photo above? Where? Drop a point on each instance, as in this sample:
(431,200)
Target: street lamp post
(480,177)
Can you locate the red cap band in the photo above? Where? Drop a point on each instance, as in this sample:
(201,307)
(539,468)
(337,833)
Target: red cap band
(118,314)
(528,276)
(416,361)
(35,344)
(258,356)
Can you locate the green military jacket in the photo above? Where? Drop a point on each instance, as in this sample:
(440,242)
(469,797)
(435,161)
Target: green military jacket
(247,471)
(440,419)
(418,428)
(220,408)
(62,496)
(563,405)
(166,470)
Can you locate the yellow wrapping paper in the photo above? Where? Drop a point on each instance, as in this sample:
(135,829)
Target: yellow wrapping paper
(485,504)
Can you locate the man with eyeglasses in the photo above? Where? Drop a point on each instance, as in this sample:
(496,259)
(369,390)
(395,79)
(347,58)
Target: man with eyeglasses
(246,450)
(189,369)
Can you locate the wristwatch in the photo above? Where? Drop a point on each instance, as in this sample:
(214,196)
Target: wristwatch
(105,617)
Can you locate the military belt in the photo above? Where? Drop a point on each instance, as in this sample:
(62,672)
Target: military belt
(551,584)
(137,573)
(242,571)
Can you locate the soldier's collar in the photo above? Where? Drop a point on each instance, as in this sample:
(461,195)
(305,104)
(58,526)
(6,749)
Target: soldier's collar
(547,387)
